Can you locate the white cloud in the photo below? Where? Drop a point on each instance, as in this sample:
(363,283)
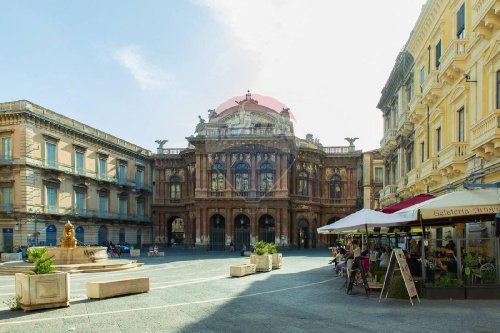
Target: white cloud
(327,60)
(147,75)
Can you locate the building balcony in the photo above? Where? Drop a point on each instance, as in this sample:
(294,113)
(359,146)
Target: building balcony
(413,176)
(53,165)
(169,151)
(5,161)
(405,125)
(142,218)
(417,109)
(485,137)
(389,142)
(144,187)
(222,133)
(454,61)
(485,16)
(429,172)
(452,159)
(432,88)
(402,184)
(388,190)
(54,210)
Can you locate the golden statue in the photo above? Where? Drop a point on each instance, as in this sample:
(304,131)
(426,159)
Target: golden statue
(68,239)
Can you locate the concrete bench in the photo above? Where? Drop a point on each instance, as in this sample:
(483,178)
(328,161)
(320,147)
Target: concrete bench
(106,289)
(242,270)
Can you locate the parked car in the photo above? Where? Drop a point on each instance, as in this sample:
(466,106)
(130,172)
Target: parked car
(125,247)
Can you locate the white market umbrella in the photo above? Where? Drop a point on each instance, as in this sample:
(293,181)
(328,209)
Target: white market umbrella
(454,204)
(365,218)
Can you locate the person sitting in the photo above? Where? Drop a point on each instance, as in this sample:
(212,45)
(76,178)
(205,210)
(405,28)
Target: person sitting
(155,251)
(413,264)
(151,251)
(243,249)
(384,258)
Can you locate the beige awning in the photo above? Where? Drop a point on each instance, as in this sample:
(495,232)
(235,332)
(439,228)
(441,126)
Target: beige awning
(459,203)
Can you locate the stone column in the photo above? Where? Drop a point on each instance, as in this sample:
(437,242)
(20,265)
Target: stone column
(278,172)
(229,176)
(253,167)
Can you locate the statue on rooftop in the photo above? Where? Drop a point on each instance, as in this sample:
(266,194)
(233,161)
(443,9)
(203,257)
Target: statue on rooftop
(351,141)
(201,125)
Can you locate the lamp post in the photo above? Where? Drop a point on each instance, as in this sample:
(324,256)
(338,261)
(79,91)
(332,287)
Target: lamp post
(33,217)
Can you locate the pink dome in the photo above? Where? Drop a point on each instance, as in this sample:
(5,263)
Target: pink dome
(266,101)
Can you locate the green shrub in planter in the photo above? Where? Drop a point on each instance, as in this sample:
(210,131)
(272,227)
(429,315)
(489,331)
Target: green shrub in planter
(43,263)
(260,247)
(272,248)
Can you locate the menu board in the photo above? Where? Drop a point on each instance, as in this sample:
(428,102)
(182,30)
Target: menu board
(398,257)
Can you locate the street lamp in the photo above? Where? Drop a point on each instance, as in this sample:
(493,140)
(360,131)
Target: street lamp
(33,217)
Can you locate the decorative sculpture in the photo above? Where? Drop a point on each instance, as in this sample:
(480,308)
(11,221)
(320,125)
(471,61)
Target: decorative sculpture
(201,125)
(68,239)
(351,141)
(161,143)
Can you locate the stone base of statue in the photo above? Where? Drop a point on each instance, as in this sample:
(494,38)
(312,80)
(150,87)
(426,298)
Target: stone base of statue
(78,255)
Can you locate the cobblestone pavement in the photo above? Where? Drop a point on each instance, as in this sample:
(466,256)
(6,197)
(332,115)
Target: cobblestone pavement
(192,292)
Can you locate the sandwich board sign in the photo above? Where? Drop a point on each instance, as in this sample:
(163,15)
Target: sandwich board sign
(398,257)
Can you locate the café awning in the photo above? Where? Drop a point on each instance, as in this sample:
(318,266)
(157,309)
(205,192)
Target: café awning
(456,204)
(364,218)
(407,203)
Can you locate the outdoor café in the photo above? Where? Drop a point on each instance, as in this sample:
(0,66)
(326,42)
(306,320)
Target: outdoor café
(454,238)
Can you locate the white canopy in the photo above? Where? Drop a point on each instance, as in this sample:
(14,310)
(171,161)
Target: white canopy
(458,203)
(362,218)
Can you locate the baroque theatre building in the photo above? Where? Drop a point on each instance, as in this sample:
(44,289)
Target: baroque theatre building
(245,176)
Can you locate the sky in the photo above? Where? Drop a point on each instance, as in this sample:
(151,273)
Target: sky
(145,70)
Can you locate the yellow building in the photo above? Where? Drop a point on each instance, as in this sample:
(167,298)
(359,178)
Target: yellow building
(441,102)
(54,169)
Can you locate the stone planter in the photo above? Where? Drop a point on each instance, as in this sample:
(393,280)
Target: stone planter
(483,291)
(264,262)
(242,270)
(445,293)
(43,291)
(277,260)
(135,252)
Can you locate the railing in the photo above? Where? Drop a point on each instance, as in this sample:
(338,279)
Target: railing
(142,186)
(57,166)
(241,194)
(54,210)
(429,167)
(388,190)
(432,86)
(339,149)
(453,153)
(389,135)
(486,130)
(231,132)
(456,51)
(142,218)
(413,176)
(169,151)
(217,193)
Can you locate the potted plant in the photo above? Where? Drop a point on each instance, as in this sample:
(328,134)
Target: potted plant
(277,257)
(445,288)
(135,251)
(262,259)
(44,288)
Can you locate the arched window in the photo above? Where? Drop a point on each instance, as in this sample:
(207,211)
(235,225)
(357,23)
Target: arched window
(79,235)
(335,187)
(266,176)
(241,178)
(218,180)
(302,185)
(175,187)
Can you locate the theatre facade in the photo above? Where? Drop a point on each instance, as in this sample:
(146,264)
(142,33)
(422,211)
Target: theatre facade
(245,177)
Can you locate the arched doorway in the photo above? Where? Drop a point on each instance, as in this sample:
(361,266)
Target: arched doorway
(303,234)
(175,231)
(121,236)
(102,235)
(266,228)
(51,235)
(217,233)
(241,231)
(79,233)
(139,238)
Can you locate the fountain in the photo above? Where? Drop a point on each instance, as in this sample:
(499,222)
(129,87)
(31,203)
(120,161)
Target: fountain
(69,253)
(71,258)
